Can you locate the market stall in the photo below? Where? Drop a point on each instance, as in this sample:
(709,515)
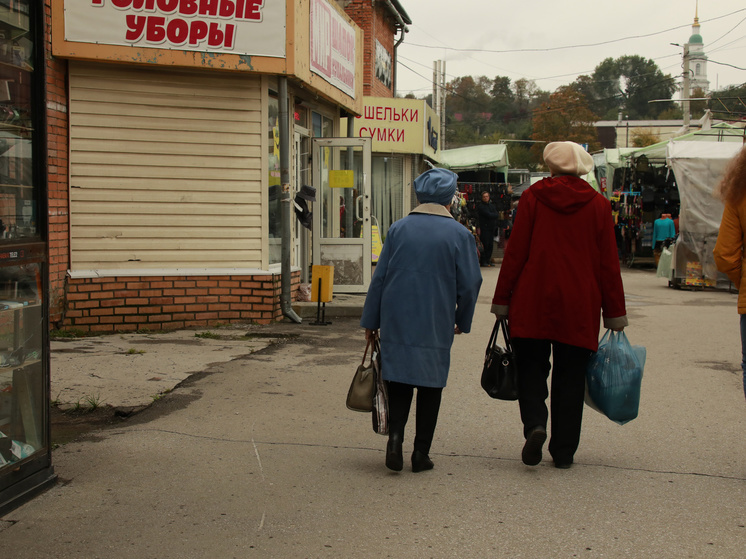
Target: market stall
(481,169)
(608,165)
(646,187)
(698,167)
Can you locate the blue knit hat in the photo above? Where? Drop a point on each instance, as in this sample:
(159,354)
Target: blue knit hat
(436,186)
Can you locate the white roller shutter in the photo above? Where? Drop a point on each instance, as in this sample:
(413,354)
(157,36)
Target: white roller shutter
(165,169)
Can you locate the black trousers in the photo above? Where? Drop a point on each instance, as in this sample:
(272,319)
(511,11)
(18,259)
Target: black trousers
(426,418)
(568,391)
(487,237)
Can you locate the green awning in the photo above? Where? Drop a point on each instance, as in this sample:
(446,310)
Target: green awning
(489,156)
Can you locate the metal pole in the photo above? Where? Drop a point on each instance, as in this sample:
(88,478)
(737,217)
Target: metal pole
(436,63)
(685,88)
(443,107)
(286,203)
(348,193)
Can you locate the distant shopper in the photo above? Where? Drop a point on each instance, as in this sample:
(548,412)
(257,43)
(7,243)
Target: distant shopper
(559,272)
(488,221)
(663,229)
(424,290)
(729,248)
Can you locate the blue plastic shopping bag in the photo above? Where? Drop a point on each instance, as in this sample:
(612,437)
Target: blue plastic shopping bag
(614,377)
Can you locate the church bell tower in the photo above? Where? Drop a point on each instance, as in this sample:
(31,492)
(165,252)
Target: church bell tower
(697,58)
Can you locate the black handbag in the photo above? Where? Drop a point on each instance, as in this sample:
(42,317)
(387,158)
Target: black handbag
(500,374)
(363,386)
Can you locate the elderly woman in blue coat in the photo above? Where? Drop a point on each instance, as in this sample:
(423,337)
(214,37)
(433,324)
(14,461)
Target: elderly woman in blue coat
(423,291)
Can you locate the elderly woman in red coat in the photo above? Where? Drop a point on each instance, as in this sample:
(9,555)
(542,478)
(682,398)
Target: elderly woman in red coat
(559,272)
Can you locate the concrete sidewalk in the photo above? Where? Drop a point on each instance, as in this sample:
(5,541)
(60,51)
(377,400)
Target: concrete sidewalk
(128,372)
(257,456)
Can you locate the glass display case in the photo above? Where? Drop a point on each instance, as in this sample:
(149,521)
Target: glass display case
(25,450)
(18,217)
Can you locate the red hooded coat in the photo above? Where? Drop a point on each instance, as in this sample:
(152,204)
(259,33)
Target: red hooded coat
(561,267)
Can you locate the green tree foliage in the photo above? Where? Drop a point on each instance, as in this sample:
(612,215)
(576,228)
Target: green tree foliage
(642,139)
(480,110)
(627,84)
(697,108)
(729,103)
(467,110)
(565,116)
(674,113)
(521,156)
(503,100)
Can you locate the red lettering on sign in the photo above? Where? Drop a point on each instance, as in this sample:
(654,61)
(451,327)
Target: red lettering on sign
(155,31)
(188,7)
(135,27)
(177,31)
(209,7)
(198,32)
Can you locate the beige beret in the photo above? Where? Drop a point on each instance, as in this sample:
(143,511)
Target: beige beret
(567,158)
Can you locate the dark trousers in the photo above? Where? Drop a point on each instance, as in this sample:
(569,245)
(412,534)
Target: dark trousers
(568,391)
(426,418)
(487,236)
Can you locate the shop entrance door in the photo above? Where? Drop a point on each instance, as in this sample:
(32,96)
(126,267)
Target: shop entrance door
(341,215)
(302,173)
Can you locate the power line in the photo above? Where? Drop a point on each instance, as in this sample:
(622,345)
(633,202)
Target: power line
(559,76)
(726,64)
(727,32)
(550,49)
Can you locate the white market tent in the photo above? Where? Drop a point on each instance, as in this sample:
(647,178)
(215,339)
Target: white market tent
(721,132)
(473,158)
(698,167)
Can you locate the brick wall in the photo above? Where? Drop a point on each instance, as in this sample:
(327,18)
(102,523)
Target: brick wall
(126,304)
(57,172)
(376,23)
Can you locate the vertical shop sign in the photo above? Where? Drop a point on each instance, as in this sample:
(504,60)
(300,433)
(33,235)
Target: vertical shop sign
(243,27)
(332,47)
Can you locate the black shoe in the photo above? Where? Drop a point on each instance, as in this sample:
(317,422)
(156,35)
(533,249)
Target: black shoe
(563,465)
(421,462)
(531,454)
(394,455)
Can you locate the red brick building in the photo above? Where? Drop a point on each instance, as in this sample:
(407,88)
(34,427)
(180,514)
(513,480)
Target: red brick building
(101,208)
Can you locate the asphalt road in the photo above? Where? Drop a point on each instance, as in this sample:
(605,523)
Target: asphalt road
(258,457)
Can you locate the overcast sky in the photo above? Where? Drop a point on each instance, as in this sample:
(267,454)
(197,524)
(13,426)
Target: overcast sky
(642,27)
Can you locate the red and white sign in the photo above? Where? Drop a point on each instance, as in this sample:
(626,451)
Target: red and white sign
(399,125)
(332,47)
(243,27)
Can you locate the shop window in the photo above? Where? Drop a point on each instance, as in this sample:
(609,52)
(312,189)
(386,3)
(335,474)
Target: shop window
(323,127)
(300,116)
(18,207)
(387,191)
